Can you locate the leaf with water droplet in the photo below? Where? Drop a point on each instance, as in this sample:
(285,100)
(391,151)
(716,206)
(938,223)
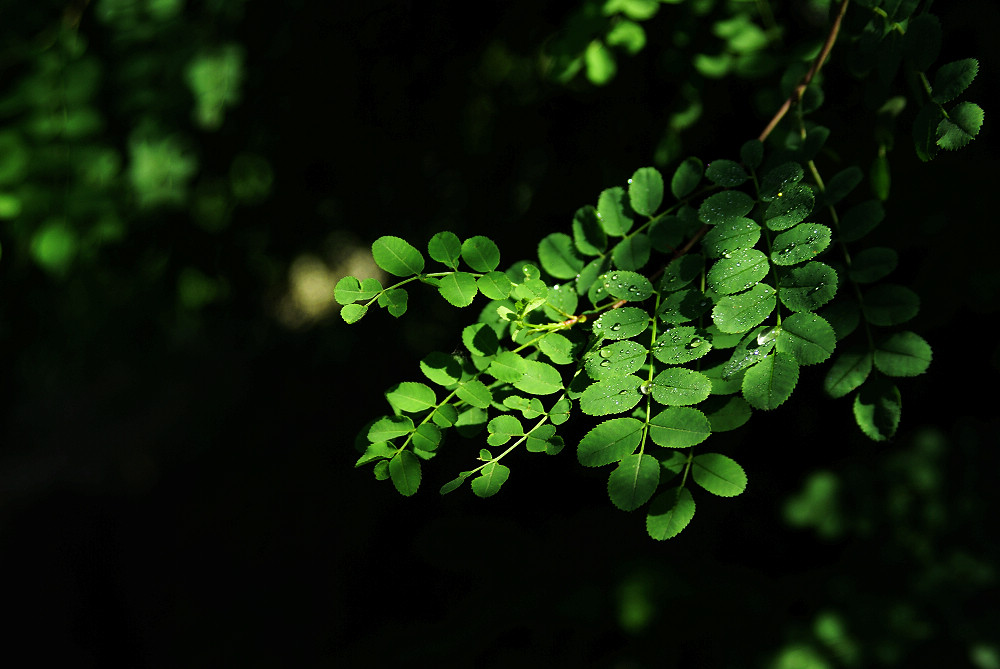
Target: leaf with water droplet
(683,306)
(617,359)
(800,244)
(740,312)
(748,353)
(779,179)
(612,213)
(627,285)
(682,271)
(677,386)
(795,203)
(645,190)
(727,238)
(726,173)
(683,345)
(807,337)
(725,206)
(807,288)
(623,323)
(610,396)
(732,275)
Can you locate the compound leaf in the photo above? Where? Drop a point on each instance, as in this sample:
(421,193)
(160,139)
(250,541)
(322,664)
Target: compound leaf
(611,212)
(480,339)
(410,397)
(861,219)
(726,413)
(404,470)
(446,248)
(614,395)
(679,427)
(669,513)
(877,408)
(609,442)
(441,368)
(903,354)
(427,437)
(397,256)
(645,190)
(953,78)
(718,474)
(490,478)
(678,386)
(847,372)
(686,177)
(634,481)
(481,253)
(558,256)
(770,382)
(458,288)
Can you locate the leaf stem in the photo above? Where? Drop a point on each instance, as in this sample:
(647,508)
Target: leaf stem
(796,95)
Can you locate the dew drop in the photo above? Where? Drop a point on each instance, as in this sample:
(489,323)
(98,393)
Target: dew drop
(605,353)
(629,182)
(605,363)
(623,392)
(616,327)
(644,389)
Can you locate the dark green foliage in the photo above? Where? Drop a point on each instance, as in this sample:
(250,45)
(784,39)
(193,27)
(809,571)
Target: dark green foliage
(662,323)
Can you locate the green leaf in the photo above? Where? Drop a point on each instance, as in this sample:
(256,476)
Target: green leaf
(726,413)
(961,127)
(404,469)
(471,421)
(632,252)
(847,372)
(922,41)
(530,409)
(588,235)
(389,427)
(459,288)
(791,208)
(445,415)
(394,300)
(611,212)
(475,393)
(770,382)
(873,264)
(455,483)
(777,181)
(539,378)
(480,253)
(502,429)
(718,474)
(396,256)
(679,345)
(725,206)
(410,397)
(953,78)
(615,360)
(740,271)
(623,323)
(669,513)
(677,386)
(739,313)
(727,238)
(682,271)
(751,350)
(807,288)
(843,316)
(903,354)
(445,247)
(925,131)
(625,285)
(427,437)
(609,442)
(589,274)
(841,185)
(679,427)
(634,481)
(542,439)
(683,306)
(348,290)
(614,395)
(801,243)
(379,451)
(877,408)
(645,191)
(726,173)
(628,35)
(600,63)
(381,470)
(560,411)
(490,478)
(352,313)
(494,285)
(558,256)
(807,337)
(686,177)
(558,348)
(860,220)
(752,153)
(890,304)
(880,177)
(441,368)
(507,367)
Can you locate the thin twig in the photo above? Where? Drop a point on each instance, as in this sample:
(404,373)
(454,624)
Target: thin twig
(813,71)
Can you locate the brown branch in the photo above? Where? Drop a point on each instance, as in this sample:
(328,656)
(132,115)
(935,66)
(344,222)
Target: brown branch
(813,71)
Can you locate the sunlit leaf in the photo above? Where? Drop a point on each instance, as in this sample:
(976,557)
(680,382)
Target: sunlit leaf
(669,513)
(609,442)
(718,474)
(459,288)
(610,396)
(645,191)
(404,470)
(396,256)
(611,212)
(634,481)
(903,354)
(679,427)
(445,247)
(490,478)
(770,382)
(410,396)
(481,253)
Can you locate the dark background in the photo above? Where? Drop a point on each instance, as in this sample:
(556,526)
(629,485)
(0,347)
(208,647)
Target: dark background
(177,486)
